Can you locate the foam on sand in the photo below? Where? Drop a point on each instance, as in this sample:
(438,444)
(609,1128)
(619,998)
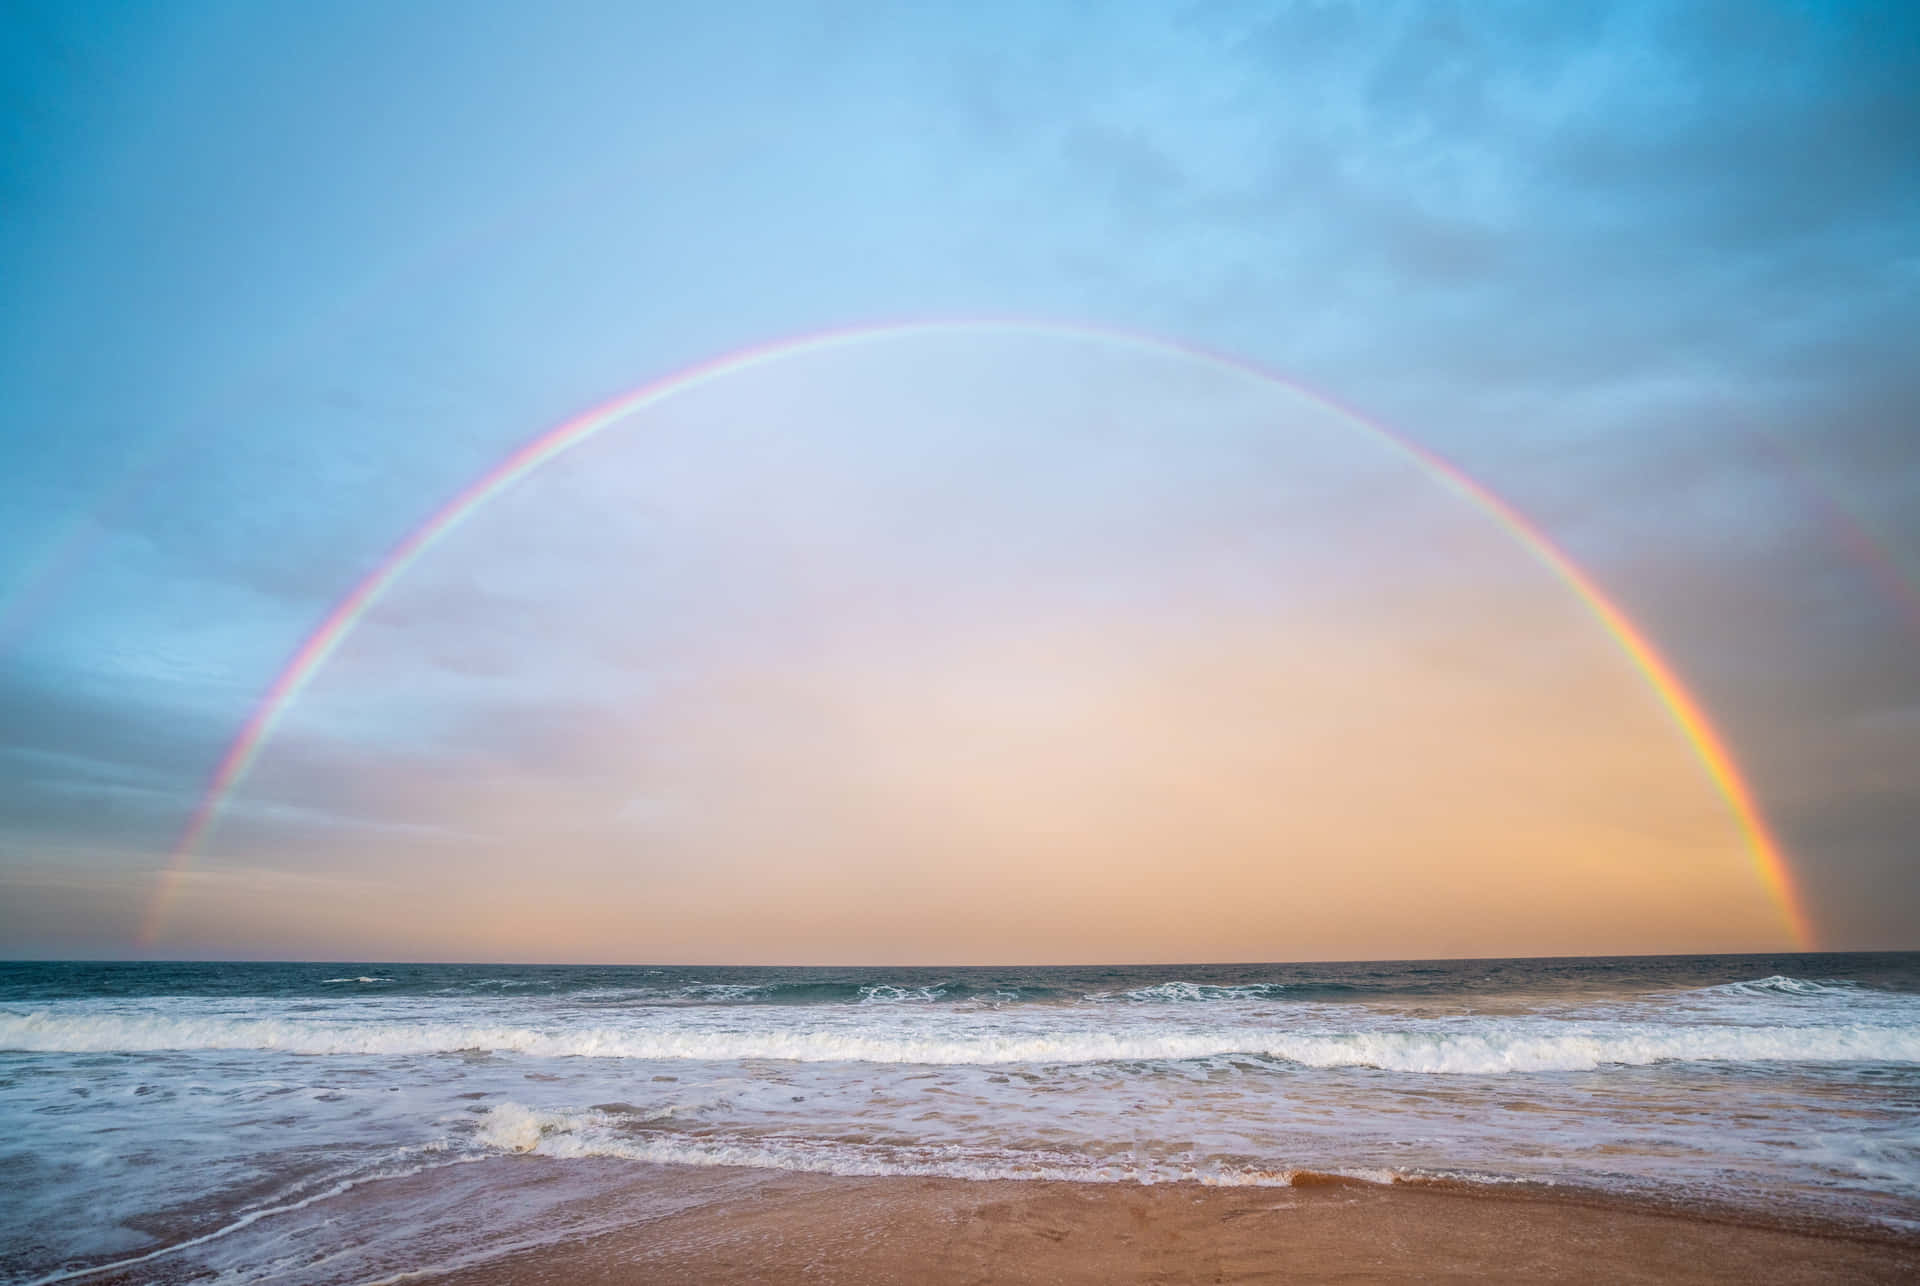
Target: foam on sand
(515,1129)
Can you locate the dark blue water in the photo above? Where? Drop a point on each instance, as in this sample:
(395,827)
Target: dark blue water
(1454,979)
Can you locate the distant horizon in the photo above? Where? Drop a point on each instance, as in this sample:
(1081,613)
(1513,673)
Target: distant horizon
(1097,964)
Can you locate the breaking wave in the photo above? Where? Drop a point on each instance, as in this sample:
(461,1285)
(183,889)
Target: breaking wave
(1780,985)
(1491,1047)
(1192,991)
(513,1128)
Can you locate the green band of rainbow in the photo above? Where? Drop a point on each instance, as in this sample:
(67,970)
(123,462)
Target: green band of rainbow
(1768,861)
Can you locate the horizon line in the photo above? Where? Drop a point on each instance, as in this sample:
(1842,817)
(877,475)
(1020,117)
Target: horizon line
(870,964)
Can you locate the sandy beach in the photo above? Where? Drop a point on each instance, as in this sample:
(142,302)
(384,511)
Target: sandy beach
(754,1226)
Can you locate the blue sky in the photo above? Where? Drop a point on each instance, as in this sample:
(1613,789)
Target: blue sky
(278,279)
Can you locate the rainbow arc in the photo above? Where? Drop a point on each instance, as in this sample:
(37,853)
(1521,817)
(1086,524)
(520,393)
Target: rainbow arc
(1768,860)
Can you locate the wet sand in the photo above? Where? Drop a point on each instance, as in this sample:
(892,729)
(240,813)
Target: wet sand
(747,1226)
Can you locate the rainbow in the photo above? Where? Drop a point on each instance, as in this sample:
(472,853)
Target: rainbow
(1845,527)
(1769,862)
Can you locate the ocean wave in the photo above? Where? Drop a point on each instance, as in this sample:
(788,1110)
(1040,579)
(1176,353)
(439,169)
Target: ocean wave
(886,994)
(513,1128)
(361,978)
(1199,991)
(717,991)
(1491,1048)
(1780,985)
(801,992)
(789,993)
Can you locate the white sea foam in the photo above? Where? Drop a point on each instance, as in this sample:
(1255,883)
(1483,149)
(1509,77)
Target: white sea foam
(884,994)
(1482,1048)
(245,1220)
(721,991)
(1193,991)
(514,1128)
(362,978)
(1780,985)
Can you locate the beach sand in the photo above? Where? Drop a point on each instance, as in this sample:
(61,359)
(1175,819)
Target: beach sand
(699,1225)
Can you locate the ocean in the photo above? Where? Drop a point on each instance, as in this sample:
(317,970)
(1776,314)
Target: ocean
(228,1122)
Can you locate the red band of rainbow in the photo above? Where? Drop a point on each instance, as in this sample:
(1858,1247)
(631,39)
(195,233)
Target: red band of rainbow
(1768,861)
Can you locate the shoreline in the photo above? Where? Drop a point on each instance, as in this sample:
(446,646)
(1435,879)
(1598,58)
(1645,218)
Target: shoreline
(735,1224)
(1653,1120)
(601,1220)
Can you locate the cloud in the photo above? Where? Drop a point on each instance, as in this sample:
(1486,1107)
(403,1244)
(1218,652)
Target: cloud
(908,672)
(1593,255)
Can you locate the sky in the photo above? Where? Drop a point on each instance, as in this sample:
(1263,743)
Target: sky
(1010,643)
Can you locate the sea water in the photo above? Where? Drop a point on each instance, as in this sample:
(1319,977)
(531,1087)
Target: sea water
(180,1120)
